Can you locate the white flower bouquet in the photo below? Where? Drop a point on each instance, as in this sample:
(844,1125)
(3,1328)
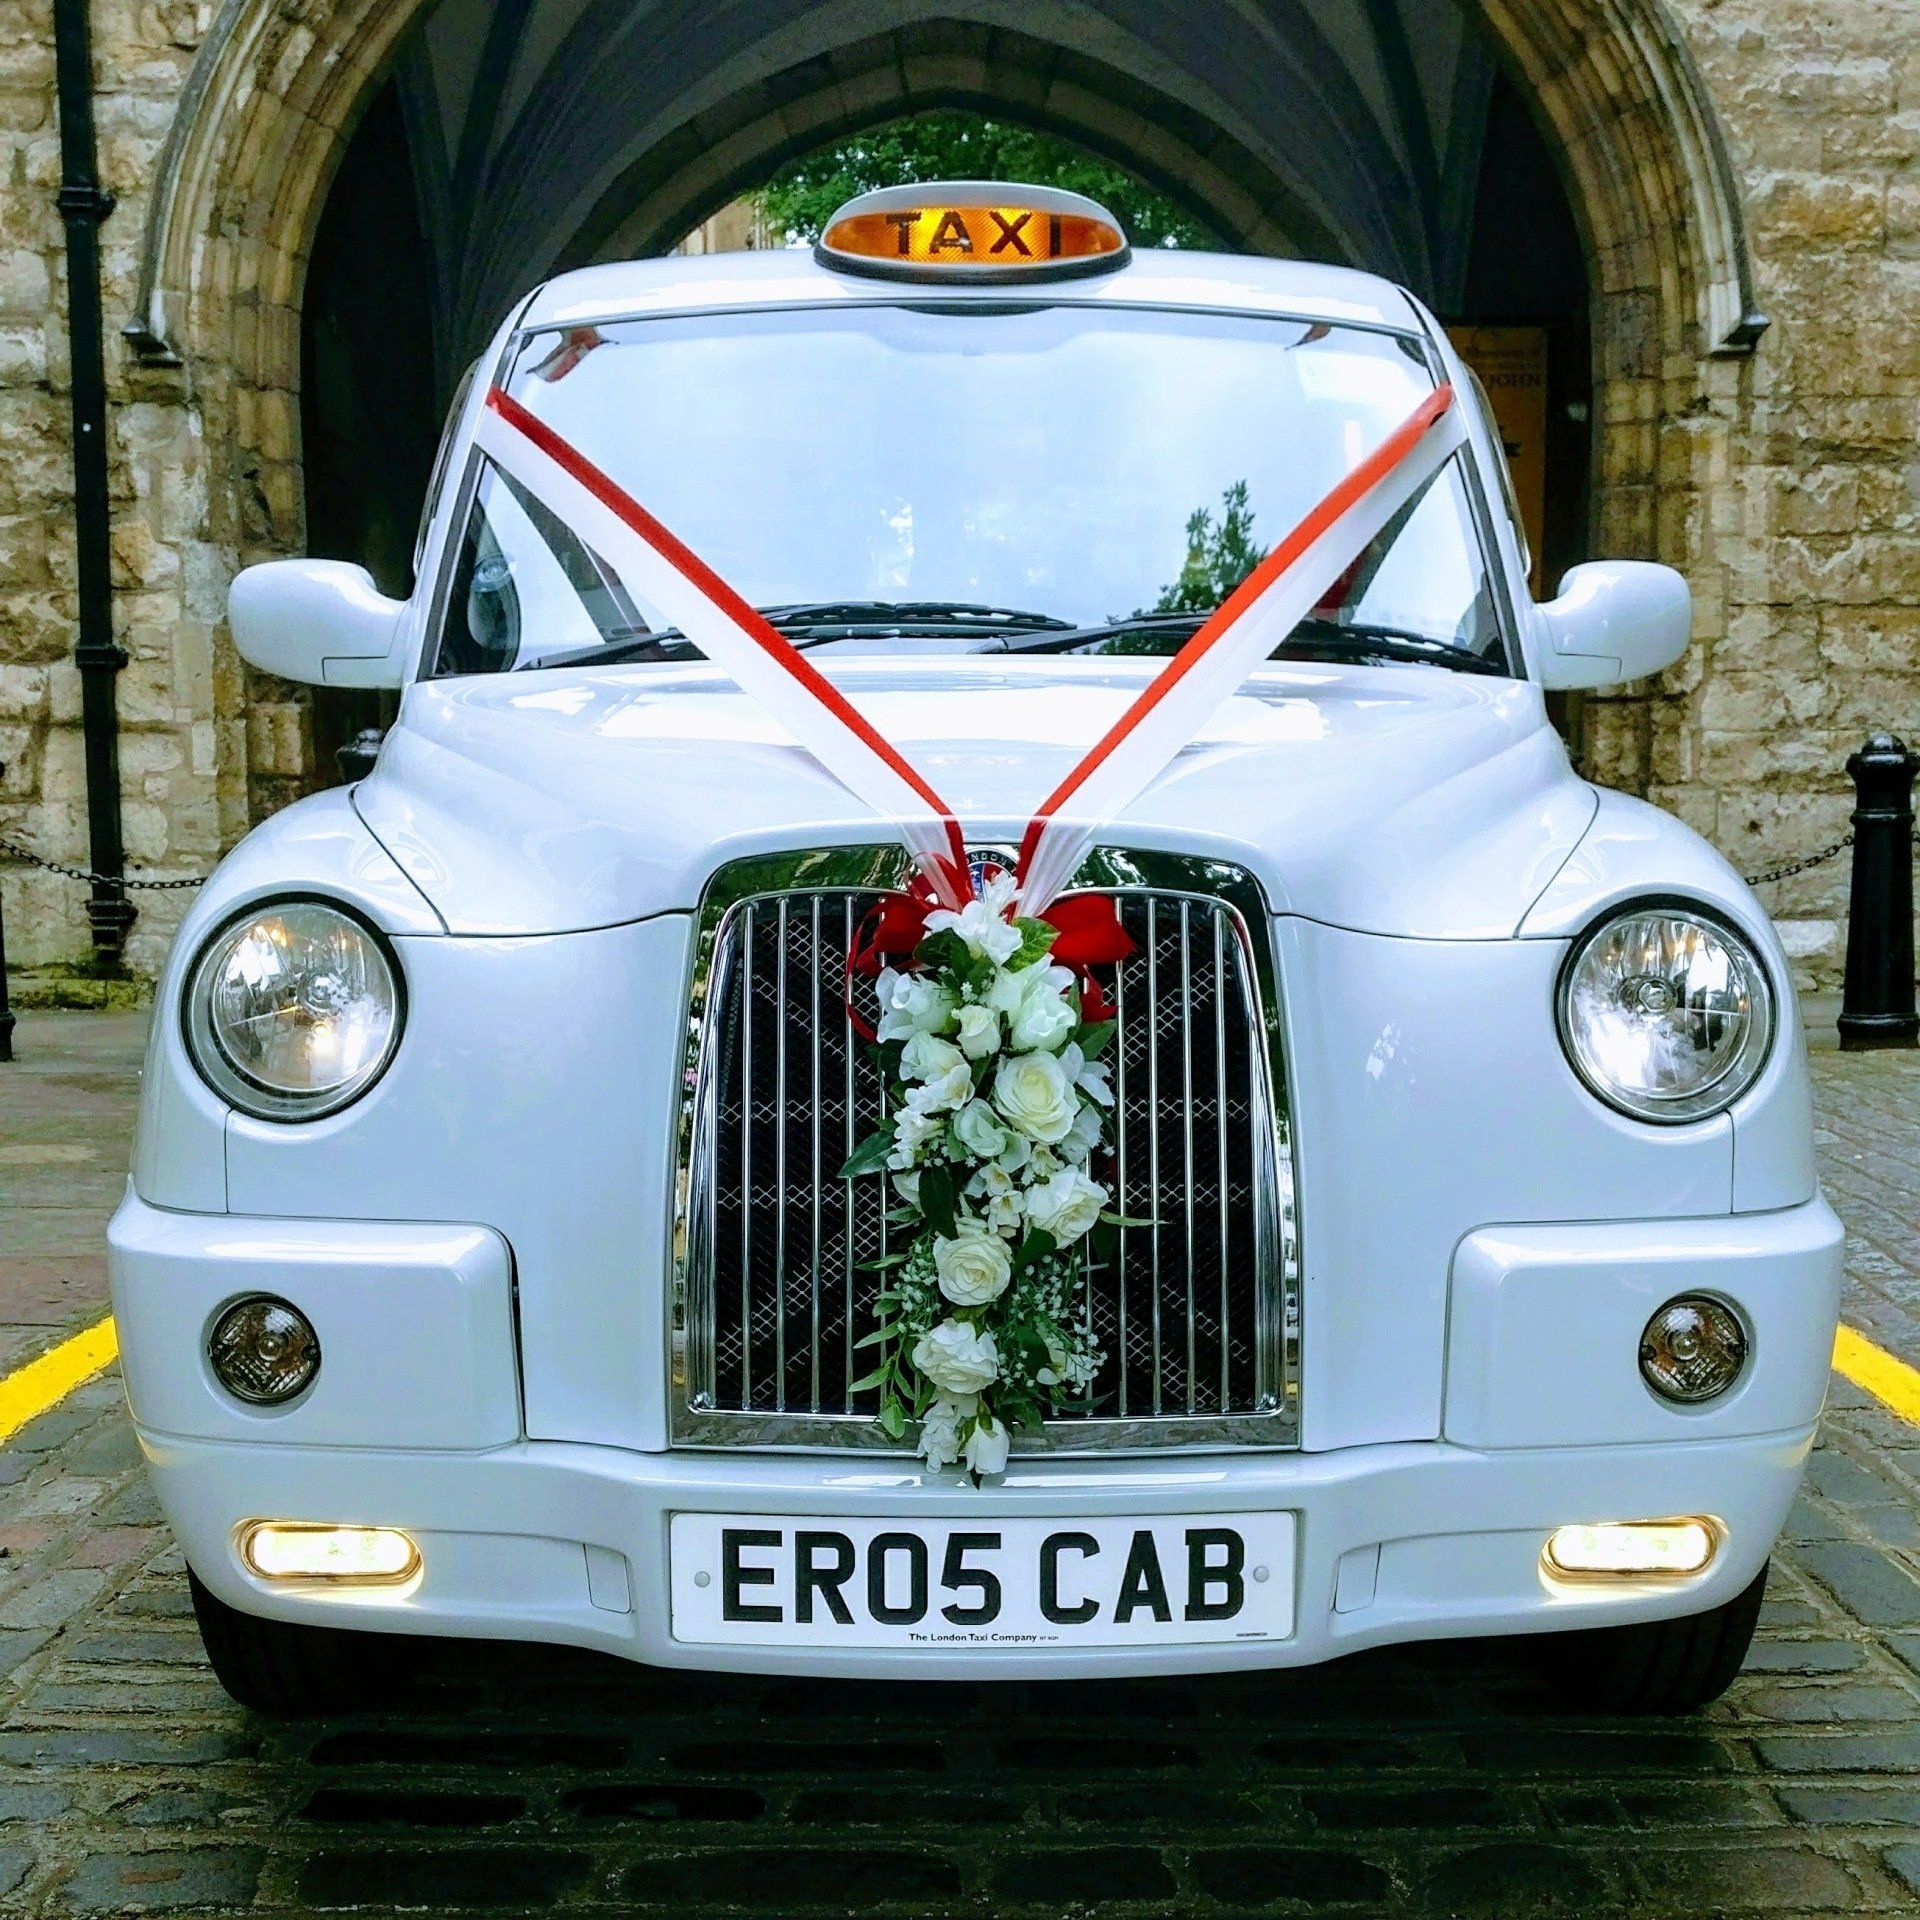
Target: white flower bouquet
(997,1101)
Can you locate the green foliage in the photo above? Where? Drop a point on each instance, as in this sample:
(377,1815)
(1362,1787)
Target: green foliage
(870,1156)
(1220,554)
(954,145)
(1036,941)
(938,1198)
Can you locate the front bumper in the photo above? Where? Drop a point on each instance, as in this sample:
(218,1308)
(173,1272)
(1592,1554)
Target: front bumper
(552,1541)
(415,1423)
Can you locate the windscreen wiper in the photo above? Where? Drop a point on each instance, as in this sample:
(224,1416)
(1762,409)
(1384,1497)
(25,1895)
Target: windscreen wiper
(1332,640)
(826,620)
(819,623)
(1099,639)
(1311,639)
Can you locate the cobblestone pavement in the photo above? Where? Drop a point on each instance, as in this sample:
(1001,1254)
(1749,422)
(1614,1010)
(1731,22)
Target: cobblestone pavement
(66,1111)
(1419,1782)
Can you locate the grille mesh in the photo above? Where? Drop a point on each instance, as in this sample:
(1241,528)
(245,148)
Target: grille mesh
(1185,1308)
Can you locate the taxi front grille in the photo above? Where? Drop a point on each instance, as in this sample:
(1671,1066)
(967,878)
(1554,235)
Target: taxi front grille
(1196,1311)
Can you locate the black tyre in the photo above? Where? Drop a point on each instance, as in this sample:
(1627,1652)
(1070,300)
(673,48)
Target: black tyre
(1661,1666)
(276,1667)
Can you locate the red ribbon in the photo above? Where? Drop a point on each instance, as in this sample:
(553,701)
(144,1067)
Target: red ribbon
(1087,931)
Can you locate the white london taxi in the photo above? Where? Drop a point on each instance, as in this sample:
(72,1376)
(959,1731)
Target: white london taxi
(632,1171)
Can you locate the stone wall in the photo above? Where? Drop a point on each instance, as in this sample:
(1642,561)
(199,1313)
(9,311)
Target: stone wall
(1787,483)
(1811,631)
(180,807)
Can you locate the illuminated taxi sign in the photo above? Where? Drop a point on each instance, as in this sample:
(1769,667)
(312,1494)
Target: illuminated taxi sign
(972,230)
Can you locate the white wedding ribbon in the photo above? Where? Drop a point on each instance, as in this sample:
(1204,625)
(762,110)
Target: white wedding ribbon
(655,565)
(1239,636)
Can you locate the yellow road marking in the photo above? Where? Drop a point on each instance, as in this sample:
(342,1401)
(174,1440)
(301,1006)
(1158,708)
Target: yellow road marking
(43,1383)
(1891,1381)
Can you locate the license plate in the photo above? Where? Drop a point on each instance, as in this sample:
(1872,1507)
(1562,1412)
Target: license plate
(775,1580)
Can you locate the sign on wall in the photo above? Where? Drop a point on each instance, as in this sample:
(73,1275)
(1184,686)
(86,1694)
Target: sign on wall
(1512,365)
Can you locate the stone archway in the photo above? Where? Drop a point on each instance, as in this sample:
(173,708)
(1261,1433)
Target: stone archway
(278,88)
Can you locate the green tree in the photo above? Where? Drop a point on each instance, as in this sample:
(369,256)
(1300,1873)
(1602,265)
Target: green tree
(953,145)
(1220,554)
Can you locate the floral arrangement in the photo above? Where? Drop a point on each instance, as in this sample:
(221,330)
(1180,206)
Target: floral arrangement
(997,1101)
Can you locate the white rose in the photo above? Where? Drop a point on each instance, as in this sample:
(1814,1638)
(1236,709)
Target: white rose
(1039,1015)
(1065,1206)
(978,1131)
(940,1430)
(928,1057)
(907,1186)
(985,928)
(910,1003)
(986,1450)
(1010,988)
(957,1358)
(974,1266)
(953,1089)
(979,1032)
(1030,1090)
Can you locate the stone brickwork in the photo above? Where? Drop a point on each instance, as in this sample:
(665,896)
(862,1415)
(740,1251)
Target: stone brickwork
(1786,483)
(1810,621)
(183,754)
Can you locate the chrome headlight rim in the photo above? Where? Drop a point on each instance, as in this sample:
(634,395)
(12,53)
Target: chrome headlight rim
(1740,1075)
(215,1065)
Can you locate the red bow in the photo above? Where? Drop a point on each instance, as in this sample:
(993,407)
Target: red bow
(1087,930)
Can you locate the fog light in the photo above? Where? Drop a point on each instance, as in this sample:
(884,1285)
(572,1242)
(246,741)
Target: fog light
(264,1351)
(1632,1548)
(1693,1349)
(304,1550)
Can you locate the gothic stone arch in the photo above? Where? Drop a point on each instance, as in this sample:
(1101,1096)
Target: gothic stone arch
(279,85)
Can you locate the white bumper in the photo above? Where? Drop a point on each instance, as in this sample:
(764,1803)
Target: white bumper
(413,1424)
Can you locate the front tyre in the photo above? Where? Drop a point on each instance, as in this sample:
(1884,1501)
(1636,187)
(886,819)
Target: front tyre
(279,1668)
(1657,1666)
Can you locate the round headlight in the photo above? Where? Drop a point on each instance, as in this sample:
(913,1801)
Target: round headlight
(1666,1014)
(293,1010)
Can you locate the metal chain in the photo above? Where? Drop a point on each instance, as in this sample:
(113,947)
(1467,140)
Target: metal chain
(1812,860)
(89,876)
(1792,867)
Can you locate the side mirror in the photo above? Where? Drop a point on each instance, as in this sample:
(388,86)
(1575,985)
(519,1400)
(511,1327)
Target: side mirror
(321,621)
(1614,620)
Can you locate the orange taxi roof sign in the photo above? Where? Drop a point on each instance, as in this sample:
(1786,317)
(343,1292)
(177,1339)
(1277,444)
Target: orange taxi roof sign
(980,230)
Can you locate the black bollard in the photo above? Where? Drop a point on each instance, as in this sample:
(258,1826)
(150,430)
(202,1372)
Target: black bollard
(1877,1009)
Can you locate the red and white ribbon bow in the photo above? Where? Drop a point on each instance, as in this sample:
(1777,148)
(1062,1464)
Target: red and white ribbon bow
(1166,716)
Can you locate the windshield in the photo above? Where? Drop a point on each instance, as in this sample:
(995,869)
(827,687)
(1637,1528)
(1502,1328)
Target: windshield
(965,478)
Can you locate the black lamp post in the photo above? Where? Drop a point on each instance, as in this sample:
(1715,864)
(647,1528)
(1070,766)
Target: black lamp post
(84,203)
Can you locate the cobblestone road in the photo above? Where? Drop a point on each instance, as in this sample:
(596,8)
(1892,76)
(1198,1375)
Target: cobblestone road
(1434,1781)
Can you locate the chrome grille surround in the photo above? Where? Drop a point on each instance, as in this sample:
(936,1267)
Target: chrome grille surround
(764,1366)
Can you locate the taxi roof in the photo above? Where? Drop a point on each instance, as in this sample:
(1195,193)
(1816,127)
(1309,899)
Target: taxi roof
(790,276)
